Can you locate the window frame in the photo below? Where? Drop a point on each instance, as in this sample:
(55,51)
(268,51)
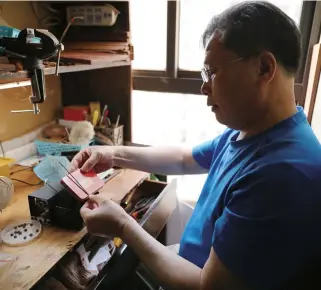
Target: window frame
(174,80)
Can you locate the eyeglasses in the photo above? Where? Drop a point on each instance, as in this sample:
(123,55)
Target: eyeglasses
(207,74)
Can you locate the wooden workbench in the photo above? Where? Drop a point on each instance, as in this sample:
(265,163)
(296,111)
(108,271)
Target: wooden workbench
(38,257)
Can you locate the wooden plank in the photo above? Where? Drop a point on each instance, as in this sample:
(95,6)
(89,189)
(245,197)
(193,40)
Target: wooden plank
(313,81)
(316,116)
(98,46)
(314,36)
(12,76)
(86,67)
(4,60)
(7,67)
(91,57)
(38,257)
(9,77)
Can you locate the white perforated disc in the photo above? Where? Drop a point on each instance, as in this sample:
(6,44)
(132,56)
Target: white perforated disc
(21,233)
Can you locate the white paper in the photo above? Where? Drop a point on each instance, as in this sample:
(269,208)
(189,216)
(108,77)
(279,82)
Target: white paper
(83,256)
(31,161)
(100,257)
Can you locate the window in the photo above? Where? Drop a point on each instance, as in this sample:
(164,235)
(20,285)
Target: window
(174,119)
(194,18)
(167,50)
(167,107)
(148,33)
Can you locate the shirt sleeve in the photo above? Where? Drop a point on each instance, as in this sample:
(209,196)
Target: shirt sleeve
(204,153)
(270,226)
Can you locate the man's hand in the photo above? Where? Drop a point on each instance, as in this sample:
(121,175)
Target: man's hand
(104,217)
(158,160)
(99,158)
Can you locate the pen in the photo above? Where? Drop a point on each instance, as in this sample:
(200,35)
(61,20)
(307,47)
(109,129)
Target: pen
(103,115)
(117,122)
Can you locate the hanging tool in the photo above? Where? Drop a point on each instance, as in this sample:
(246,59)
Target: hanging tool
(62,37)
(33,46)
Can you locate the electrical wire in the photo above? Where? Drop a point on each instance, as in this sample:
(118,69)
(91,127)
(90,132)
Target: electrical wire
(47,183)
(24,169)
(22,181)
(25,182)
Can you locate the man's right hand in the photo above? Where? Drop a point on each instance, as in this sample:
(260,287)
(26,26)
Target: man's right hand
(98,158)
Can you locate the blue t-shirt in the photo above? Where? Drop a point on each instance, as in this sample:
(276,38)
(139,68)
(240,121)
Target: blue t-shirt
(260,207)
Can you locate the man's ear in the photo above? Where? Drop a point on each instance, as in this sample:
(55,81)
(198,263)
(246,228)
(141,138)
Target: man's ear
(267,64)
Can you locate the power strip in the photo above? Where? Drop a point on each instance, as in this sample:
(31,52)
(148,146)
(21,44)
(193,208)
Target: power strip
(92,15)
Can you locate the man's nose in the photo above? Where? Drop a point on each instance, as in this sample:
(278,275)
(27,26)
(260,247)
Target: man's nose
(206,88)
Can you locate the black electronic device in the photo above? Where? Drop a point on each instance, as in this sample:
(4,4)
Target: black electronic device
(53,205)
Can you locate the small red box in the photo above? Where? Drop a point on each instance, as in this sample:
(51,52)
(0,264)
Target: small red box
(76,113)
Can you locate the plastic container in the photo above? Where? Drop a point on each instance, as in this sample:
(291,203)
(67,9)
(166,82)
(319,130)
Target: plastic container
(7,31)
(52,148)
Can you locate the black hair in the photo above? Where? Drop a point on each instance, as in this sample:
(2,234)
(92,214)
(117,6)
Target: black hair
(251,27)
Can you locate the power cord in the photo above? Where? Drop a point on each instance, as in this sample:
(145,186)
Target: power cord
(31,184)
(24,169)
(22,181)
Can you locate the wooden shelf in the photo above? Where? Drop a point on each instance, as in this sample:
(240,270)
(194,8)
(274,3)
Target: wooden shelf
(84,67)
(11,77)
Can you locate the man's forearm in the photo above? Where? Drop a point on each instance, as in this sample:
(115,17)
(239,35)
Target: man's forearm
(171,270)
(158,160)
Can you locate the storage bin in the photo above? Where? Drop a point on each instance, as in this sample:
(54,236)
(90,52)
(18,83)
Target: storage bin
(52,148)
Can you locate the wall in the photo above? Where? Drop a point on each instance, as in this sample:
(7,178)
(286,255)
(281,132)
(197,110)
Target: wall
(20,15)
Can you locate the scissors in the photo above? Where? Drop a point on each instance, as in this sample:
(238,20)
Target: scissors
(141,206)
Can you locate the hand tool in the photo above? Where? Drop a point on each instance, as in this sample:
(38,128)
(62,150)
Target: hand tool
(33,46)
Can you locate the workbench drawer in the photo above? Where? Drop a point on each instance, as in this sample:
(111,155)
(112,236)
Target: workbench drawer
(161,209)
(153,221)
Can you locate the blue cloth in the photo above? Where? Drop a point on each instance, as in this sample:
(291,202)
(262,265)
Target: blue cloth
(52,168)
(260,207)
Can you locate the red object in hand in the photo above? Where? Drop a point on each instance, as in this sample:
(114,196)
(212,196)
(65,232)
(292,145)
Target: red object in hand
(81,184)
(76,113)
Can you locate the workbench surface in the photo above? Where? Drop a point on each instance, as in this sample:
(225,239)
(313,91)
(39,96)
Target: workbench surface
(38,257)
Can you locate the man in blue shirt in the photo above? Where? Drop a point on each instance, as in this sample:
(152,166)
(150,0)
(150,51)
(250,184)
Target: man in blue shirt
(257,223)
